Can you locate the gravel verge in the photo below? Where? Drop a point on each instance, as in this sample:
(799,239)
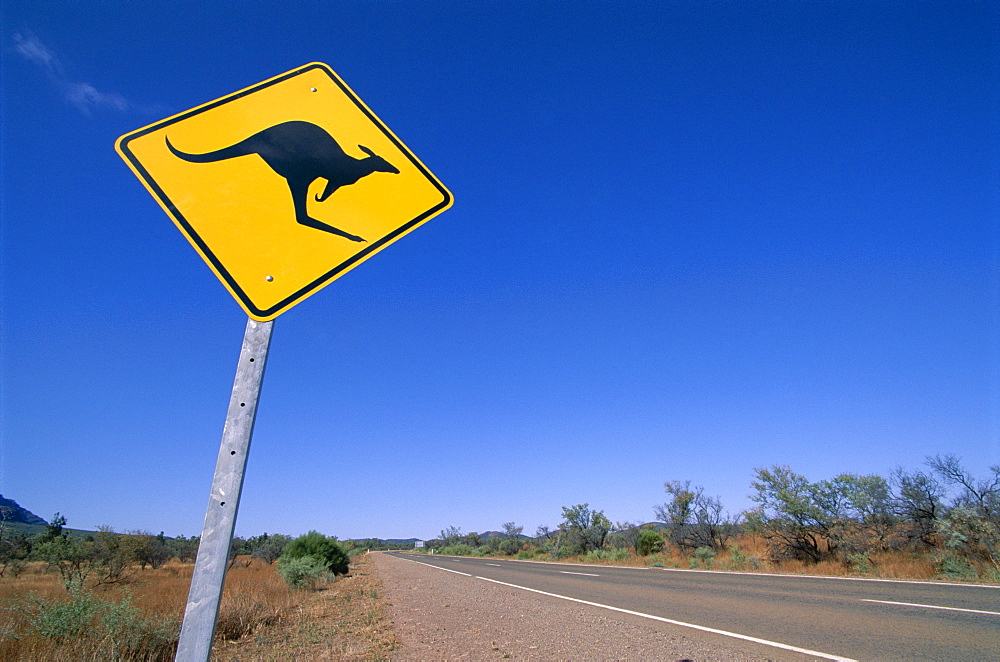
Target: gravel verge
(438,615)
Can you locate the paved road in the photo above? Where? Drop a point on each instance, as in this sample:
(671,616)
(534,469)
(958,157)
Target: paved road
(835,617)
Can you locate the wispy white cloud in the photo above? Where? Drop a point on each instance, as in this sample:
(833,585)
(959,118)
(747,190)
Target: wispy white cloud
(34,51)
(83,96)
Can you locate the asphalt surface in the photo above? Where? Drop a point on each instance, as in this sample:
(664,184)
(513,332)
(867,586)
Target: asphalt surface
(834,617)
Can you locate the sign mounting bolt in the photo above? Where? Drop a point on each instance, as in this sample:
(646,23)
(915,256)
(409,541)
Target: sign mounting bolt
(269,278)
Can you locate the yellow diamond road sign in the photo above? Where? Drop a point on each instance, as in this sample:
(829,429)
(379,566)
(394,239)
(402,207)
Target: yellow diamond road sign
(284,186)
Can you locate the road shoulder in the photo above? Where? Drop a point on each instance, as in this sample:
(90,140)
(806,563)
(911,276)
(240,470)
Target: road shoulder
(441,615)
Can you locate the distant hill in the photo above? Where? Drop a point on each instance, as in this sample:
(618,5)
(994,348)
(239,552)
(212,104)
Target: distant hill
(10,511)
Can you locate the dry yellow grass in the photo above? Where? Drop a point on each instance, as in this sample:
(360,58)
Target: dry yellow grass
(343,621)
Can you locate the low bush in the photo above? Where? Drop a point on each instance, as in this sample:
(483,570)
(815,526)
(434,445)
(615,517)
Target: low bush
(859,562)
(86,626)
(62,621)
(703,557)
(953,566)
(648,542)
(606,555)
(302,572)
(739,560)
(318,546)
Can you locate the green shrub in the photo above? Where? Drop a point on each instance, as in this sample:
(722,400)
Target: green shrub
(953,566)
(737,559)
(740,561)
(525,554)
(648,542)
(606,555)
(458,549)
(130,636)
(301,572)
(703,557)
(860,562)
(63,621)
(656,565)
(320,547)
(111,630)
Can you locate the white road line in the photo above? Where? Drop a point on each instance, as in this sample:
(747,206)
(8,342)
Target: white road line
(437,567)
(911,604)
(774,644)
(495,565)
(585,574)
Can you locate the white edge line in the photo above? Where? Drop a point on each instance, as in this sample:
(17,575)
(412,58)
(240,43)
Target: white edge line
(913,604)
(584,574)
(744,637)
(437,567)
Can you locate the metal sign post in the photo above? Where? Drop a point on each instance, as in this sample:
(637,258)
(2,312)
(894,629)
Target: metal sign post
(202,609)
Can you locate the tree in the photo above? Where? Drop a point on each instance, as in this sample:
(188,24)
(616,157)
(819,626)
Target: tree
(845,516)
(185,549)
(268,548)
(972,526)
(472,539)
(980,495)
(545,537)
(70,557)
(510,539)
(693,519)
(151,550)
(512,530)
(14,552)
(864,519)
(787,516)
(624,535)
(113,554)
(237,547)
(54,529)
(450,536)
(582,529)
(918,502)
(321,547)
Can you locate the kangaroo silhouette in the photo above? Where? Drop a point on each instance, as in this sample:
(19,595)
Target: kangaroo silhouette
(301,152)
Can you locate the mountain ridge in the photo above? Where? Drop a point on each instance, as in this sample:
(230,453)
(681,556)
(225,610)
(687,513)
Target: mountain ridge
(11,511)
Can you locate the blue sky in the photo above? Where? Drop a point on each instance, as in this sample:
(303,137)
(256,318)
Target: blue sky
(688,239)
